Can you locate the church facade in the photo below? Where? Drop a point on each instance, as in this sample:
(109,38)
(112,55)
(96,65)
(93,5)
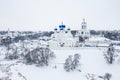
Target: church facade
(63,37)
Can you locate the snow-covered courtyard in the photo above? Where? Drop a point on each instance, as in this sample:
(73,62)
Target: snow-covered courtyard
(92,62)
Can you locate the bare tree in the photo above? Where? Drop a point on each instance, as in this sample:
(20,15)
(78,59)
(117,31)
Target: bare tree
(110,55)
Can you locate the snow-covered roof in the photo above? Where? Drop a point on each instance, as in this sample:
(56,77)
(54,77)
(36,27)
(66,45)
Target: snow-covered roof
(103,44)
(98,39)
(117,47)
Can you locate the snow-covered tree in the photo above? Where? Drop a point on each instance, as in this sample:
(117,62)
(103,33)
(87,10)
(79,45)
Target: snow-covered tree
(75,62)
(72,64)
(68,63)
(12,52)
(23,49)
(40,56)
(110,55)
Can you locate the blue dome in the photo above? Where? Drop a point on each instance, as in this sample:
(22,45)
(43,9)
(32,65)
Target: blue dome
(62,27)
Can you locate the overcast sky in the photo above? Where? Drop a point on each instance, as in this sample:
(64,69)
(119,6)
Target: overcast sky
(47,14)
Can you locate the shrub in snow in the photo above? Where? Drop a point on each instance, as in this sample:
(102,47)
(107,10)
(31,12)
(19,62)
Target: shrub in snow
(72,64)
(110,55)
(107,76)
(90,77)
(40,56)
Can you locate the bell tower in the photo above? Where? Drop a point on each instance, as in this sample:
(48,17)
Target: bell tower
(84,24)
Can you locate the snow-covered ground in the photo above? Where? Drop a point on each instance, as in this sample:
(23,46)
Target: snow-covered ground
(92,62)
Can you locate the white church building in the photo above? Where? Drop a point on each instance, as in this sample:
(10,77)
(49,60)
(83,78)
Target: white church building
(63,37)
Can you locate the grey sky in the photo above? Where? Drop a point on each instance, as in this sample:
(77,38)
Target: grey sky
(46,14)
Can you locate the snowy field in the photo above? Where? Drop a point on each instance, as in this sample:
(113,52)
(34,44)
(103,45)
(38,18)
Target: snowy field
(92,62)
